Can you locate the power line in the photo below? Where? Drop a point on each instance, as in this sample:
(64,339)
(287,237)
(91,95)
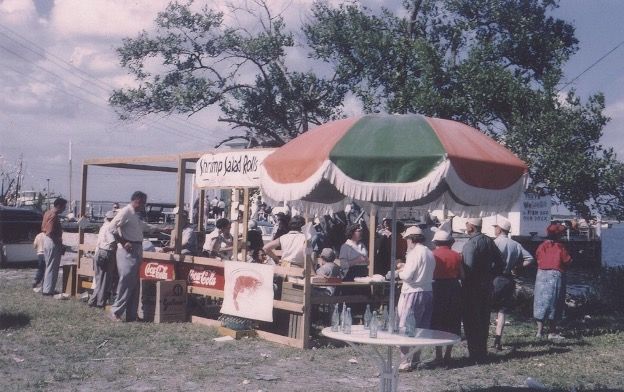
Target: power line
(43,53)
(592,66)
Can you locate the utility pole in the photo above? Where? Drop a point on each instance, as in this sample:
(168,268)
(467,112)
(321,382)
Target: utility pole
(70,176)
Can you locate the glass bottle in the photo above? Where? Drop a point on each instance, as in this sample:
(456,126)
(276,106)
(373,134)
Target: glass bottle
(374,325)
(348,322)
(367,317)
(343,317)
(384,319)
(335,326)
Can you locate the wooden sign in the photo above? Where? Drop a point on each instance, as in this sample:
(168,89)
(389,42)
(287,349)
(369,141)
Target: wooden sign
(156,270)
(203,276)
(230,168)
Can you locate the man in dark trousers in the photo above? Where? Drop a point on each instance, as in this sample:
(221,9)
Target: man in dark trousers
(482,262)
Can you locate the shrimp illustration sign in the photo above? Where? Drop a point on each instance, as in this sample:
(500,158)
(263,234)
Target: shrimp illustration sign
(248,290)
(230,168)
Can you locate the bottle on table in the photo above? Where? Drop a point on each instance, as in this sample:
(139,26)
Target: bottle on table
(335,322)
(367,317)
(374,325)
(384,319)
(343,317)
(348,322)
(410,324)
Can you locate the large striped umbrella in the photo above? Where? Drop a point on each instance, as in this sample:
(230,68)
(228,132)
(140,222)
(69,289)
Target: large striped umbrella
(395,159)
(405,159)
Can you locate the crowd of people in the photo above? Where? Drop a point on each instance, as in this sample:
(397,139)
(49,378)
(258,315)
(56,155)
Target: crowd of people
(440,287)
(443,288)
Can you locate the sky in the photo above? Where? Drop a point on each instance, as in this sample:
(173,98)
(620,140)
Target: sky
(58,66)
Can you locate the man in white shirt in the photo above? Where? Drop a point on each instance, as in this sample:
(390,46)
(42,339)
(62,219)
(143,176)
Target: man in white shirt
(127,227)
(416,293)
(104,261)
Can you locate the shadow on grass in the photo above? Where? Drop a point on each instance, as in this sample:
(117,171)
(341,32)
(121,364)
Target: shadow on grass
(512,355)
(13,320)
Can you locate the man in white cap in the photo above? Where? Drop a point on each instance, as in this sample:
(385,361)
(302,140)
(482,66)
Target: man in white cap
(514,255)
(482,262)
(104,263)
(416,291)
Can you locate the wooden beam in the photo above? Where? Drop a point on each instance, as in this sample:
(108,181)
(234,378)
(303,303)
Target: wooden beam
(234,222)
(209,261)
(166,169)
(83,210)
(180,203)
(205,291)
(285,340)
(173,158)
(245,221)
(201,216)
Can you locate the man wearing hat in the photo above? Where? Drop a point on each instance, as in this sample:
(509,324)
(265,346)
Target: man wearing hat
(482,262)
(514,255)
(416,292)
(104,263)
(328,269)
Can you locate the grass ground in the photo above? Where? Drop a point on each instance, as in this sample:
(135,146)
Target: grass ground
(46,344)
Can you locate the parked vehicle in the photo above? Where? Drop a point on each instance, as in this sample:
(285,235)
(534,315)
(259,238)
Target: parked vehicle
(18,228)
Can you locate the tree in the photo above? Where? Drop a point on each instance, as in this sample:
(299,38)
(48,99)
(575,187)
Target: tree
(242,71)
(493,64)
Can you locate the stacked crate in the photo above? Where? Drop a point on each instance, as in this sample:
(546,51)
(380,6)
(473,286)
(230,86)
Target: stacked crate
(163,301)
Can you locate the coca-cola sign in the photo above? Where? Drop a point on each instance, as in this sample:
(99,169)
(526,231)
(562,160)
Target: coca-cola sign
(203,278)
(200,276)
(156,271)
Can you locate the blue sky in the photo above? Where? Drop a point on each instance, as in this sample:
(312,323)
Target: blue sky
(47,101)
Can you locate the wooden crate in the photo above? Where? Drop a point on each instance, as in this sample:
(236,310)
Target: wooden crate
(163,301)
(86,267)
(292,292)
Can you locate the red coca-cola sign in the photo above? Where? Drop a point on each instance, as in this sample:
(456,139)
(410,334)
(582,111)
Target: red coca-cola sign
(204,276)
(154,270)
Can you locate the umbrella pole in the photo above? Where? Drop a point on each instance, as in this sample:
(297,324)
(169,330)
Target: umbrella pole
(393,264)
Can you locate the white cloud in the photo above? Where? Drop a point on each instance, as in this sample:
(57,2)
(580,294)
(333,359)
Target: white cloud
(103,18)
(17,12)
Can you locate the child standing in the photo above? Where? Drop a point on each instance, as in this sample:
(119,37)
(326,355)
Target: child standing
(41,265)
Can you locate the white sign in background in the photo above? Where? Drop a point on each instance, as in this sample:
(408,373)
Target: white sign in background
(248,290)
(230,168)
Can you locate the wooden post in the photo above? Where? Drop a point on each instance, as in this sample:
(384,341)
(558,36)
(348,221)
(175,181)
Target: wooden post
(83,210)
(245,221)
(372,229)
(306,318)
(180,203)
(234,221)
(200,210)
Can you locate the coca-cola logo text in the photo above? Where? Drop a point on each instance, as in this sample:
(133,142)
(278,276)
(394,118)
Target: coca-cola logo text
(156,271)
(204,278)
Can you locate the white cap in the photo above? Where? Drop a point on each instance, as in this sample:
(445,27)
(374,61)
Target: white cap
(412,230)
(442,236)
(504,224)
(475,221)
